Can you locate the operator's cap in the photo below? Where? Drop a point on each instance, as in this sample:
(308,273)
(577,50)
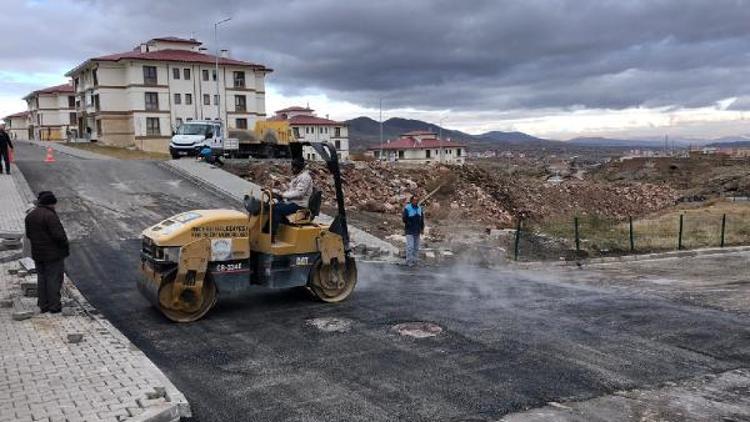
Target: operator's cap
(46,198)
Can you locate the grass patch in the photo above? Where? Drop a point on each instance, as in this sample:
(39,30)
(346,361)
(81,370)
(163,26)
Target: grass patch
(653,233)
(120,153)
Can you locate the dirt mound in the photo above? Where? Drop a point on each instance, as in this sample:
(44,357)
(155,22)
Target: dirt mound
(469,192)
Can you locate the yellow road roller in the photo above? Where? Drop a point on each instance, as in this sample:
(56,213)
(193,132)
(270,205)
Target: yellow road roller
(190,260)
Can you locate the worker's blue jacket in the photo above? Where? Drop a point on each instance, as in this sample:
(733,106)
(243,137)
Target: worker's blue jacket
(413,219)
(205,152)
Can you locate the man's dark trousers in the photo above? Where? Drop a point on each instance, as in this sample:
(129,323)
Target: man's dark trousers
(6,159)
(49,282)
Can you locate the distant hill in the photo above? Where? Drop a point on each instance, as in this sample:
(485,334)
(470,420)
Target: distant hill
(510,137)
(364,133)
(731,142)
(636,143)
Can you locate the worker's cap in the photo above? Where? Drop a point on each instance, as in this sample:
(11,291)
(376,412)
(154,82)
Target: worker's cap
(46,198)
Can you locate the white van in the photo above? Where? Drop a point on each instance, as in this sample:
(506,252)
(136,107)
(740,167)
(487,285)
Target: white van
(191,136)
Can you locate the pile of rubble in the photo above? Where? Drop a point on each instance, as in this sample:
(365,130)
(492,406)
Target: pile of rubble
(469,192)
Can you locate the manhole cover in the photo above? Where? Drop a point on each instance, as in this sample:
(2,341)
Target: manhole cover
(331,325)
(418,329)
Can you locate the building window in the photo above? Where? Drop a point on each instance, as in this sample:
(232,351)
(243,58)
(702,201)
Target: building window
(206,99)
(99,128)
(152,101)
(178,122)
(189,119)
(72,119)
(175,73)
(205,74)
(338,144)
(188,99)
(239,79)
(459,152)
(240,103)
(152,126)
(97,106)
(337,132)
(213,74)
(177,99)
(241,123)
(149,75)
(71,101)
(95,76)
(296,132)
(401,154)
(321,130)
(186,74)
(216,100)
(427,154)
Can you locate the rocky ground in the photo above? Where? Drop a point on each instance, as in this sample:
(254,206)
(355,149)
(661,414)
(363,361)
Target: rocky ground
(468,203)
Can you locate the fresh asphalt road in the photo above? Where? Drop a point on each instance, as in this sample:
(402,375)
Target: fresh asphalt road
(511,340)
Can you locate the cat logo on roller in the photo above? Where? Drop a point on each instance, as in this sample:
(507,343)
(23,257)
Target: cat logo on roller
(190,260)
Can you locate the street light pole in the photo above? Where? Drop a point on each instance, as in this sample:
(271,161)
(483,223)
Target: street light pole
(216,42)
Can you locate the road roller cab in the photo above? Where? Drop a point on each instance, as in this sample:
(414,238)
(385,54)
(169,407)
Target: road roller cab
(192,259)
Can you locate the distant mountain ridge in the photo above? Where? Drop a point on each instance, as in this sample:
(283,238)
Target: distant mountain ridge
(364,133)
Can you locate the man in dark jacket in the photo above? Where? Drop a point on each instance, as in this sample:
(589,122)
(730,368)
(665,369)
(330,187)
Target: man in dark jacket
(49,248)
(5,143)
(413,219)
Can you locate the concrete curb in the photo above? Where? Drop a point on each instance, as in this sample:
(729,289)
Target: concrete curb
(162,413)
(177,402)
(634,258)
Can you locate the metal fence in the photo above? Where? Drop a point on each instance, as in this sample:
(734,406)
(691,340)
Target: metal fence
(593,236)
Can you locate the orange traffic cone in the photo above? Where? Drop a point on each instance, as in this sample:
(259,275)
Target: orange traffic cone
(49,158)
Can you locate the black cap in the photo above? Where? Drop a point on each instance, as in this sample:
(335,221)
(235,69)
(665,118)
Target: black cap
(46,198)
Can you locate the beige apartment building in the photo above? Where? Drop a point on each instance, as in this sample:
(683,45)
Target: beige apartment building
(17,126)
(52,114)
(306,126)
(140,97)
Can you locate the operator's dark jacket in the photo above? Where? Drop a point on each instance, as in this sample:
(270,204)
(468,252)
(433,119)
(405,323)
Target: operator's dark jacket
(413,219)
(47,235)
(5,140)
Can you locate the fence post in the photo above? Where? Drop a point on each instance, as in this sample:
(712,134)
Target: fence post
(723,226)
(578,239)
(679,236)
(518,239)
(632,241)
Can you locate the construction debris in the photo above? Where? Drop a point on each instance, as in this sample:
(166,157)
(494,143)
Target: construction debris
(470,191)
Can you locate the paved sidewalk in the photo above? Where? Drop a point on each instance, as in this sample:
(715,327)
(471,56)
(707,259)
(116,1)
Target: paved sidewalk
(47,376)
(236,187)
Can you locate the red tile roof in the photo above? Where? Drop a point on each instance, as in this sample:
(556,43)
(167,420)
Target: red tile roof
(313,120)
(19,114)
(172,55)
(61,89)
(294,108)
(408,142)
(178,39)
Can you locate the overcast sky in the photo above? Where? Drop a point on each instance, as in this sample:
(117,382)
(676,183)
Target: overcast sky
(551,68)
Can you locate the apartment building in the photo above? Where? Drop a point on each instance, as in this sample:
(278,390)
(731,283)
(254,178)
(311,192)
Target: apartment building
(140,97)
(306,126)
(17,126)
(420,147)
(52,113)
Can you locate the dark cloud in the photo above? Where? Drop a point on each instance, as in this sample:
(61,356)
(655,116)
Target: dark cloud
(471,55)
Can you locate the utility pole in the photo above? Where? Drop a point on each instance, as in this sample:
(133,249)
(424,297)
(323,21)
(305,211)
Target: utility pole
(381,128)
(216,41)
